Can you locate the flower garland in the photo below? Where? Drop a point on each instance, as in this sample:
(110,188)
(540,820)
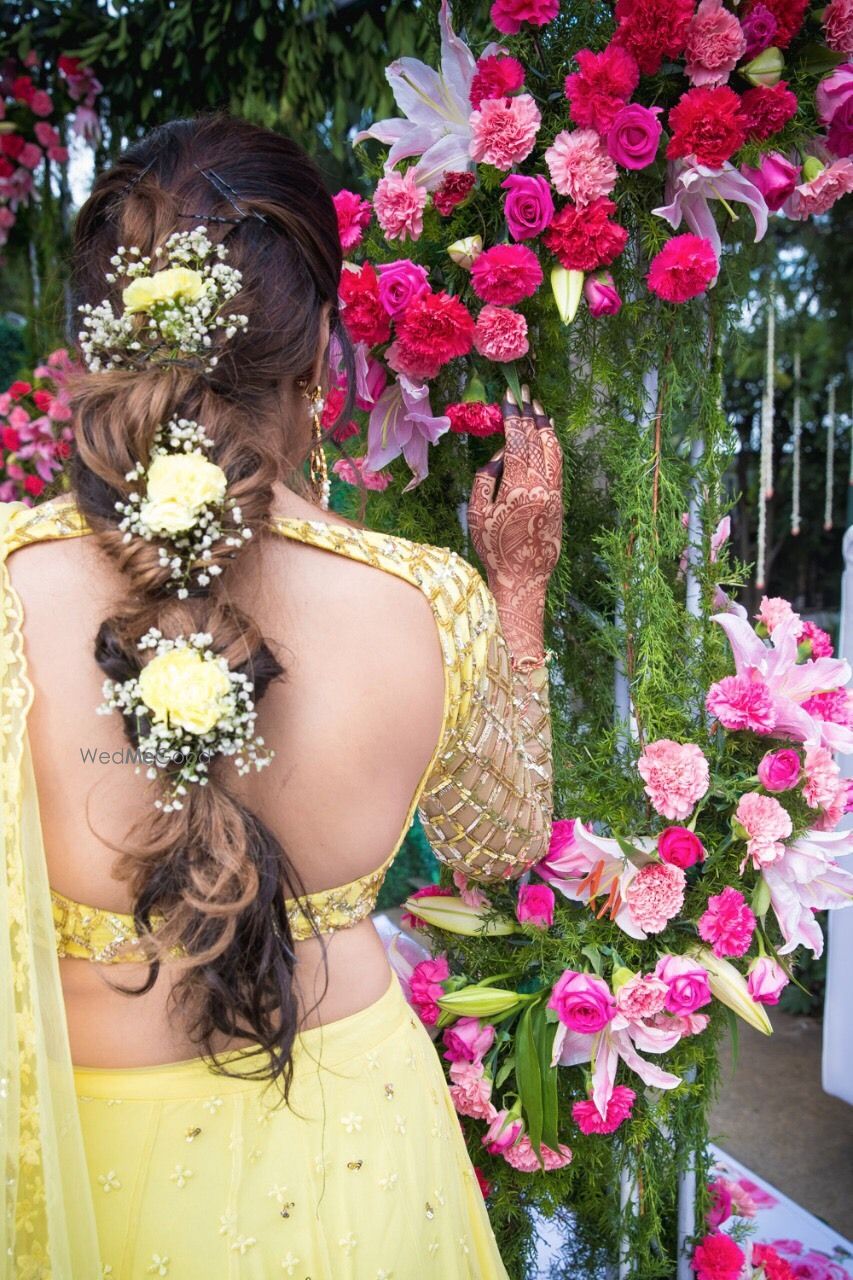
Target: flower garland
(35,431)
(188,707)
(183,502)
(170,316)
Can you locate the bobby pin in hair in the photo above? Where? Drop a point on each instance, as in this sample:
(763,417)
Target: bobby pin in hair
(230,195)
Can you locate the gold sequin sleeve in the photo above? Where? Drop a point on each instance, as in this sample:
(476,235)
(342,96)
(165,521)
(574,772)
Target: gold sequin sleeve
(486,806)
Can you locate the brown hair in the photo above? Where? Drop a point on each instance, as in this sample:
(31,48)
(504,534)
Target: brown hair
(212,872)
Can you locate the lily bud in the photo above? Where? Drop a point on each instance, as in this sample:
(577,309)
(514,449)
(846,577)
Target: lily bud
(478,1002)
(465,252)
(455,916)
(567,287)
(766,69)
(620,977)
(729,987)
(474,392)
(811,168)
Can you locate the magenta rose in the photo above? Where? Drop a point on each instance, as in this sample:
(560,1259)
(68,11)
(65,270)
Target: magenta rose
(535,905)
(689,988)
(502,1132)
(834,101)
(467,1041)
(766,980)
(564,859)
(582,1002)
(721,1203)
(400,283)
(775,178)
(680,847)
(779,770)
(633,138)
(840,136)
(529,205)
(601,294)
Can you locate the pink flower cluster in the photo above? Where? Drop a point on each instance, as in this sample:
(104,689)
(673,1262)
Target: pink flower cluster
(676,776)
(35,430)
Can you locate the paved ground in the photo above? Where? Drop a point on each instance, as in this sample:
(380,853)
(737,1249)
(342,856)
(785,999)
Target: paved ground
(774,1117)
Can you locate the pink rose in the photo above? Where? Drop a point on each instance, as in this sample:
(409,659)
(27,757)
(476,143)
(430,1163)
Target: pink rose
(471,1091)
(776,177)
(715,43)
(840,136)
(529,206)
(766,980)
(564,860)
(688,988)
(655,895)
(676,776)
(680,847)
(779,770)
(601,294)
(641,997)
(633,138)
(535,905)
(834,100)
(721,1203)
(501,334)
(589,1119)
(467,1041)
(502,1132)
(426,986)
(582,1002)
(400,283)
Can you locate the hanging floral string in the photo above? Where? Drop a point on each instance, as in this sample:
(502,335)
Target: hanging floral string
(850,470)
(830,455)
(797,431)
(765,468)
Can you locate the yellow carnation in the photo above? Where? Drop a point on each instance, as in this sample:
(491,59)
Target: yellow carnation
(178,486)
(165,286)
(183,688)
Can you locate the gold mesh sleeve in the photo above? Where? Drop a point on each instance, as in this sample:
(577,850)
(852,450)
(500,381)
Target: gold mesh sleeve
(487,805)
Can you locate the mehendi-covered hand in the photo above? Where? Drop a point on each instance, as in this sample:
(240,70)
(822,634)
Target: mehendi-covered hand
(516,521)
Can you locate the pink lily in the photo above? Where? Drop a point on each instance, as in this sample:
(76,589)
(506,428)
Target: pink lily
(719,538)
(789,683)
(689,187)
(402,422)
(599,868)
(619,1039)
(807,879)
(436,107)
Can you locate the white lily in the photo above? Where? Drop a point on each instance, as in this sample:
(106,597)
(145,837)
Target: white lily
(728,986)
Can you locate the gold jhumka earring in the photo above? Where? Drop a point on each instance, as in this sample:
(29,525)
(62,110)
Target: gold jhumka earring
(317,466)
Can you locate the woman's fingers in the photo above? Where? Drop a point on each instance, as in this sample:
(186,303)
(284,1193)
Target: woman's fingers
(486,481)
(516,447)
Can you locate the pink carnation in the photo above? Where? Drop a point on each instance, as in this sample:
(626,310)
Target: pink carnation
(468,892)
(683,268)
(820,640)
(399,203)
(766,824)
(602,85)
(676,776)
(524,1158)
(715,44)
(508,15)
(656,895)
(717,1257)
(505,274)
(821,193)
(501,334)
(471,1090)
(835,705)
(838,25)
(504,130)
(773,611)
(589,1119)
(426,988)
(728,923)
(355,471)
(496,76)
(353,216)
(820,789)
(641,997)
(742,702)
(580,166)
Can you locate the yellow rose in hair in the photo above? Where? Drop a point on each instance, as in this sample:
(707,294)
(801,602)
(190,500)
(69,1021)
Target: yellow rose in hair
(183,688)
(178,485)
(165,286)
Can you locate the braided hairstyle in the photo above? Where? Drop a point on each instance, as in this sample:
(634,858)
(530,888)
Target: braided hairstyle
(208,878)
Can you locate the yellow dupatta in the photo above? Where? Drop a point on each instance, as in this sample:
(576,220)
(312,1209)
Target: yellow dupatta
(47,1222)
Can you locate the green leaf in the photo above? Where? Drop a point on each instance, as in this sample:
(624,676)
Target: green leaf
(593,955)
(817,59)
(259,30)
(528,1075)
(545,1033)
(513,381)
(504,1071)
(629,850)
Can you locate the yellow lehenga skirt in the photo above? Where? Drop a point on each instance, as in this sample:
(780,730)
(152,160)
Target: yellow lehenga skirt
(364,1175)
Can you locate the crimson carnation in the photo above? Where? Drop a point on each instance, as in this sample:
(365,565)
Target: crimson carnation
(652,30)
(768,108)
(585,239)
(789,15)
(483,1182)
(363,314)
(432,330)
(717,1257)
(684,268)
(709,124)
(774,1265)
(619,1107)
(474,418)
(455,186)
(601,86)
(505,274)
(495,77)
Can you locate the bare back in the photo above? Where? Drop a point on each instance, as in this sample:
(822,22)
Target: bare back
(353,725)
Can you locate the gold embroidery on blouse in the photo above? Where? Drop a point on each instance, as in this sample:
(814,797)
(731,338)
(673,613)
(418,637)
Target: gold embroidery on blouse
(485,798)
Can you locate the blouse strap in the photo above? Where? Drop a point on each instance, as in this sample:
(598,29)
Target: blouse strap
(22,525)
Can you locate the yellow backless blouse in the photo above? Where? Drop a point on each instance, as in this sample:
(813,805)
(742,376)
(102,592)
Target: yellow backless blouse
(484,801)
